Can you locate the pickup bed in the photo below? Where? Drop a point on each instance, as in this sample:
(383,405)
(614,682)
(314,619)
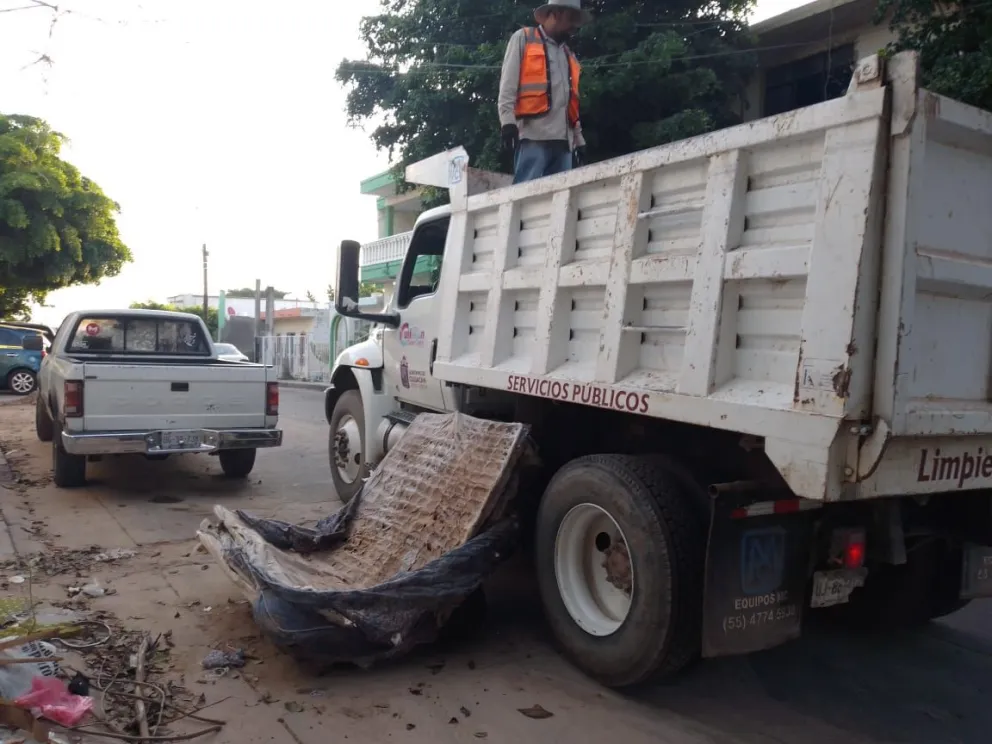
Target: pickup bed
(150,382)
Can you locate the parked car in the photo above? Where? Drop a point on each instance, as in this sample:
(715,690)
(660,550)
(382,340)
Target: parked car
(150,382)
(44,330)
(21,352)
(229,353)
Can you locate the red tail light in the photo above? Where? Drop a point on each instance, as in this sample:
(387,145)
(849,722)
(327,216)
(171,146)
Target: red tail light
(854,553)
(72,406)
(272,399)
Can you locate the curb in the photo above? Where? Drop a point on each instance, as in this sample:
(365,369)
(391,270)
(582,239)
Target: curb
(301,385)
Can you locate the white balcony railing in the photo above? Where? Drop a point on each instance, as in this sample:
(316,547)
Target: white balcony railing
(379,251)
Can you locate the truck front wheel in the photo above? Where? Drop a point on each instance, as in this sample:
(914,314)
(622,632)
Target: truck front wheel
(346,446)
(68,471)
(237,463)
(620,554)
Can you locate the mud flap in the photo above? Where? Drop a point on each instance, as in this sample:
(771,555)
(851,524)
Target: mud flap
(756,574)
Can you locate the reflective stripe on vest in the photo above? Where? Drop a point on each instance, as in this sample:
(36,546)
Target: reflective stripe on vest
(534,89)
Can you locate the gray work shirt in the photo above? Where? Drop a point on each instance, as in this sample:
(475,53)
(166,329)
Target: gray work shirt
(552,125)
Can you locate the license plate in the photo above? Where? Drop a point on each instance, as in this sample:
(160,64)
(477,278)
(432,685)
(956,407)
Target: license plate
(835,587)
(181,440)
(976,579)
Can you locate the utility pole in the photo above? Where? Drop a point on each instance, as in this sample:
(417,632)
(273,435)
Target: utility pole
(206,298)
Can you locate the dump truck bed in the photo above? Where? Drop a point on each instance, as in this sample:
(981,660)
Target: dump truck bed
(821,279)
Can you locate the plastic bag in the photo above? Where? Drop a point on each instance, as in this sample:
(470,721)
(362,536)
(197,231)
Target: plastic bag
(50,698)
(16,679)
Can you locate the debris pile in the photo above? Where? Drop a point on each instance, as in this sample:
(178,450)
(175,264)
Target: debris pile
(65,561)
(91,675)
(387,571)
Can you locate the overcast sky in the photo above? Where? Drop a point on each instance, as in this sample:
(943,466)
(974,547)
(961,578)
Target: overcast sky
(208,121)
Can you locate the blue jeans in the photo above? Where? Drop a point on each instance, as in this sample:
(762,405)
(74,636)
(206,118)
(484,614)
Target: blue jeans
(535,159)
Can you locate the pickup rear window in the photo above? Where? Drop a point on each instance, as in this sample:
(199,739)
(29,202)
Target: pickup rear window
(134,335)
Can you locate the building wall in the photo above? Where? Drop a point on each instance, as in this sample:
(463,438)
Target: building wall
(867,40)
(285,326)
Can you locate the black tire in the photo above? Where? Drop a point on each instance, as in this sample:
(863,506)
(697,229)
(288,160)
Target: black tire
(68,471)
(924,588)
(349,404)
(43,426)
(237,463)
(666,543)
(26,375)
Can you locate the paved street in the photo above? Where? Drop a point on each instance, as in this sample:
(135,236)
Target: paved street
(829,687)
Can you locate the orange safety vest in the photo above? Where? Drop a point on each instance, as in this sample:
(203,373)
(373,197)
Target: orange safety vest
(534,91)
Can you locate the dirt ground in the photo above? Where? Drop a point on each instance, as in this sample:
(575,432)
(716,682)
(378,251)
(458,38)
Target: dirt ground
(920,689)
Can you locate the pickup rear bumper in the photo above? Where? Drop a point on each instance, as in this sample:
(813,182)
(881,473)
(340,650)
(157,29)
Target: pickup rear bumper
(165,442)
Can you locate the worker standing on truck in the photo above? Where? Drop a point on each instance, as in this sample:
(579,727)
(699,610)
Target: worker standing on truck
(539,94)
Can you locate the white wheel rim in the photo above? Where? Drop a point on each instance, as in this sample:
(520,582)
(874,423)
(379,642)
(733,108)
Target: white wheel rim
(21,382)
(348,449)
(593,569)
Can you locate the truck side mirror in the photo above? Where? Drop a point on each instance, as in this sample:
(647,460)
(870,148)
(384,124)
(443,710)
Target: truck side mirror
(32,342)
(346,294)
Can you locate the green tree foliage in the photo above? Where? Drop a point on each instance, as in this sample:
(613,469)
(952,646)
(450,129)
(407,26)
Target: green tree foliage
(652,73)
(954,41)
(210,318)
(365,289)
(57,228)
(250,292)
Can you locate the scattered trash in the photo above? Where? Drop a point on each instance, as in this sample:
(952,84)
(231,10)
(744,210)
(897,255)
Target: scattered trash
(49,697)
(17,579)
(23,662)
(117,554)
(224,659)
(384,573)
(293,707)
(93,589)
(536,712)
(465,711)
(79,684)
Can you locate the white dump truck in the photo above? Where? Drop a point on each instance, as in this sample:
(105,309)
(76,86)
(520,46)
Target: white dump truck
(756,364)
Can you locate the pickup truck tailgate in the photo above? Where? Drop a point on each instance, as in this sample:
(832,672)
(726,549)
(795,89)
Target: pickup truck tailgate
(133,397)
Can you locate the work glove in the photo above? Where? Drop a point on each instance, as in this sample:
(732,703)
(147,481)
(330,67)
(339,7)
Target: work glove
(579,157)
(510,138)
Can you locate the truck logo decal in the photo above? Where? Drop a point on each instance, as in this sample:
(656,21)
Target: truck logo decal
(762,560)
(600,396)
(957,469)
(411,335)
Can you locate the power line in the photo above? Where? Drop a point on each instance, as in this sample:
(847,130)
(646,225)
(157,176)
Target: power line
(590,63)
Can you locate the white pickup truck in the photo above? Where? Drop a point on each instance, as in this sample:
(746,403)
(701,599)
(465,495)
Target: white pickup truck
(757,365)
(149,382)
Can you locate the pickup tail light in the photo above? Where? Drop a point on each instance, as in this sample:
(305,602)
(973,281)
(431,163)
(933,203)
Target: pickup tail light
(272,399)
(72,406)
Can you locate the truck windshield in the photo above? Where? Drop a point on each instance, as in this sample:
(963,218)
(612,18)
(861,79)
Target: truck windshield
(134,335)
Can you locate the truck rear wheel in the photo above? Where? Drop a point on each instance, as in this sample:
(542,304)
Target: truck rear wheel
(43,426)
(346,446)
(68,471)
(620,553)
(237,463)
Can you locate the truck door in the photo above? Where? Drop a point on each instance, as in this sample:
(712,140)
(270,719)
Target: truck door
(409,351)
